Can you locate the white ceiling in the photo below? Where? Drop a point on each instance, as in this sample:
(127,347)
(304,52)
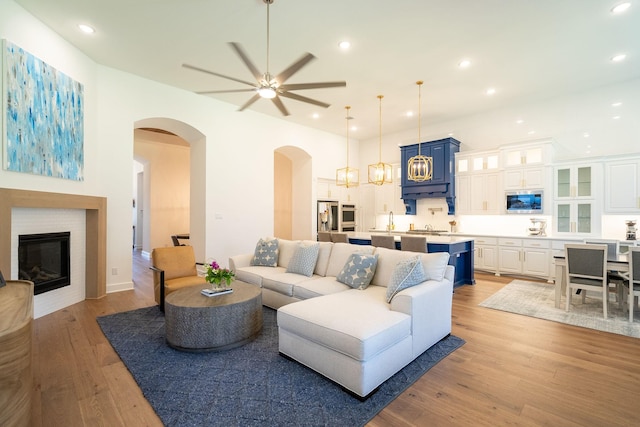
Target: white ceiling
(529,50)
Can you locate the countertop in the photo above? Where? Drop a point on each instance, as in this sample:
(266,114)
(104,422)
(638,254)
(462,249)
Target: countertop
(366,235)
(461,236)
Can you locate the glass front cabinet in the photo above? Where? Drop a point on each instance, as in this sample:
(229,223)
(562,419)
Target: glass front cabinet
(575,187)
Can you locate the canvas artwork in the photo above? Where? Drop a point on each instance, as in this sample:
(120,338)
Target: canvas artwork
(43,119)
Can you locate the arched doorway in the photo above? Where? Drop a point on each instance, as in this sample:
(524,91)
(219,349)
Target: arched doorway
(197,155)
(293,198)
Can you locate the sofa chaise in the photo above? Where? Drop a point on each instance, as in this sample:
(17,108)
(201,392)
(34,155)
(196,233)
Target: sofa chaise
(354,313)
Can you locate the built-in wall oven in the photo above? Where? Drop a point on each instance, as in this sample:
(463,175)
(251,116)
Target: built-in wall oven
(347,218)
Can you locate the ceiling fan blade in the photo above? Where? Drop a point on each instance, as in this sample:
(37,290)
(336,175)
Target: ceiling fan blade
(241,53)
(202,70)
(293,68)
(278,103)
(206,92)
(301,86)
(304,99)
(253,99)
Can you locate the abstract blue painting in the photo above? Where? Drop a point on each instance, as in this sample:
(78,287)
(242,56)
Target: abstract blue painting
(43,118)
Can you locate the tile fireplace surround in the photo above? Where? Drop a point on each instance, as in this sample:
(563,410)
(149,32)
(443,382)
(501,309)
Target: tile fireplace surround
(96,230)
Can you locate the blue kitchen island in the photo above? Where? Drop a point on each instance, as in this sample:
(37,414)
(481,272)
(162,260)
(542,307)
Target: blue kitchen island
(460,250)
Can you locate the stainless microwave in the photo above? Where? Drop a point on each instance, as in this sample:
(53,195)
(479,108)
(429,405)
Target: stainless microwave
(525,202)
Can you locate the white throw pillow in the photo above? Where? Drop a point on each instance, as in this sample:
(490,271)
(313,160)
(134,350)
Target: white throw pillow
(406,274)
(304,259)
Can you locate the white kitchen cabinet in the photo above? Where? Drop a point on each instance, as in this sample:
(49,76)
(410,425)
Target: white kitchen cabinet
(388,196)
(575,217)
(530,257)
(574,182)
(576,207)
(485,193)
(527,178)
(622,186)
(486,253)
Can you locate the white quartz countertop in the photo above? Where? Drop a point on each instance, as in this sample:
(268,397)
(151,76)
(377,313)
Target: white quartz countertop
(430,238)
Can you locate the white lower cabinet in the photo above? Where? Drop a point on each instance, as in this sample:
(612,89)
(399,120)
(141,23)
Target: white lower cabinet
(486,253)
(530,257)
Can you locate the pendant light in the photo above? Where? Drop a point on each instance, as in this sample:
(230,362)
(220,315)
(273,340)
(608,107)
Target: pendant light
(380,173)
(348,177)
(420,168)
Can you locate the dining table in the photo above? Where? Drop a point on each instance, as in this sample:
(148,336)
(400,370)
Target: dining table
(616,262)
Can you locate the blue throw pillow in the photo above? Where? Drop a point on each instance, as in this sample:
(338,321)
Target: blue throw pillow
(358,270)
(266,253)
(304,259)
(406,274)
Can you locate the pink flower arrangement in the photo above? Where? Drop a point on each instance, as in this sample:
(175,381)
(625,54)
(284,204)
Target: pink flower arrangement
(216,275)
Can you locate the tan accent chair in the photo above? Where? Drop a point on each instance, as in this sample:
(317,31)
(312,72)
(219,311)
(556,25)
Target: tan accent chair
(383,241)
(413,243)
(173,268)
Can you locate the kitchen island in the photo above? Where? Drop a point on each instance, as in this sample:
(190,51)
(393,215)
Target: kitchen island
(459,248)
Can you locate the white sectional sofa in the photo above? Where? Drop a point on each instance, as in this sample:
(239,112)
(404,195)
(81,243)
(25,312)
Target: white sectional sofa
(354,336)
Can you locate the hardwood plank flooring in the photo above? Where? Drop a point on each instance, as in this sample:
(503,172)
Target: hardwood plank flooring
(513,370)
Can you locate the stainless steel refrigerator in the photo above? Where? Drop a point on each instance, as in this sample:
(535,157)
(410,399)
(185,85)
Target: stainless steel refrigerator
(328,215)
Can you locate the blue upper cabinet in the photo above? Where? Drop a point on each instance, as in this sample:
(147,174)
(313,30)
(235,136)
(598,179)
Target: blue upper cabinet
(442,183)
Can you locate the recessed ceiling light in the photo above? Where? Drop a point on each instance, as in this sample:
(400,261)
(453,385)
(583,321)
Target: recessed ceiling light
(616,117)
(354,127)
(86,28)
(315,115)
(519,121)
(490,91)
(616,104)
(344,45)
(531,132)
(465,63)
(409,113)
(450,133)
(619,57)
(621,7)
(586,134)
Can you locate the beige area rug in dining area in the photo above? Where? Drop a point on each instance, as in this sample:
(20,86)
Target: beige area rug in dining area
(538,300)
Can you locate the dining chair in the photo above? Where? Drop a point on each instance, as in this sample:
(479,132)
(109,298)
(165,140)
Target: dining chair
(633,284)
(586,270)
(383,241)
(324,236)
(615,279)
(339,238)
(413,243)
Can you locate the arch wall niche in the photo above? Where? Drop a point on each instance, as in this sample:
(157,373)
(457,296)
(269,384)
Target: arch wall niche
(197,141)
(293,198)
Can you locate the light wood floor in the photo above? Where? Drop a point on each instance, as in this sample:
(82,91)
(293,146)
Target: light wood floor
(513,370)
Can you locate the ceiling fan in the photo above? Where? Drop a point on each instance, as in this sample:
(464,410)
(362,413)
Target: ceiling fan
(268,86)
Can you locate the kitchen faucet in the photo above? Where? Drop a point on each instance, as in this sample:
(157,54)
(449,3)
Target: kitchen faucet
(429,227)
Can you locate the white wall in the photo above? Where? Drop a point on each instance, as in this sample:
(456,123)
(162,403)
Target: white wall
(238,149)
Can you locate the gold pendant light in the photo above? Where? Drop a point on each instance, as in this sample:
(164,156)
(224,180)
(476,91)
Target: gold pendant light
(348,177)
(420,168)
(380,173)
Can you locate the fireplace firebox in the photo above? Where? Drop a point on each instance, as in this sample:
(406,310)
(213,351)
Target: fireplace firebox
(44,259)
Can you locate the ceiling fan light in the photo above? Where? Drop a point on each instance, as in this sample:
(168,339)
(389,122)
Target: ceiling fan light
(267,92)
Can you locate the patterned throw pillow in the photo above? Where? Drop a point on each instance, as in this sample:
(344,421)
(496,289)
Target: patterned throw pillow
(304,259)
(358,270)
(406,274)
(266,253)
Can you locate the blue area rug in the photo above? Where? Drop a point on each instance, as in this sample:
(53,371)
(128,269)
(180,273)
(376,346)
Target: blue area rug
(250,385)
